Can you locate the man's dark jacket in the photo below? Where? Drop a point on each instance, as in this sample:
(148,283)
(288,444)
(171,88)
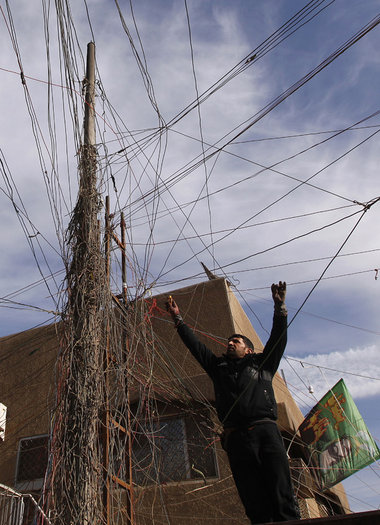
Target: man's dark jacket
(243,387)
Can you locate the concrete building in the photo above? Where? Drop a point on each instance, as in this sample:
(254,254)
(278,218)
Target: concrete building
(194,484)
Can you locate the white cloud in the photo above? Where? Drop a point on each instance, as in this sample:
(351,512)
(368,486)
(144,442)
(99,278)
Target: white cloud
(359,367)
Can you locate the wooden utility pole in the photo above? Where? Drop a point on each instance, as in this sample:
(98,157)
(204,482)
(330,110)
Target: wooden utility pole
(75,444)
(84,474)
(89,111)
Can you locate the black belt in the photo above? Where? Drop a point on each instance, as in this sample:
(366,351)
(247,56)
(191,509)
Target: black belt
(227,431)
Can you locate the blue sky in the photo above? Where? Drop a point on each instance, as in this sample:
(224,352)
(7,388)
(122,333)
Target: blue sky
(243,212)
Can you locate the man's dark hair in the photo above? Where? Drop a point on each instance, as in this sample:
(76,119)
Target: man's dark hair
(247,341)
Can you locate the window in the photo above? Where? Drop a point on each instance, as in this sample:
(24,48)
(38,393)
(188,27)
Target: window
(174,449)
(31,462)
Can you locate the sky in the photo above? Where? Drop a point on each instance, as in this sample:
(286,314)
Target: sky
(272,176)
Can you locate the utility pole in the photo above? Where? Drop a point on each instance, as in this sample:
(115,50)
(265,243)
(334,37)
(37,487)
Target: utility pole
(77,473)
(89,110)
(83,471)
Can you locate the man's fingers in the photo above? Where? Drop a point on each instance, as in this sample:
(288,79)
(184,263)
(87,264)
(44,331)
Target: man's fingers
(170,303)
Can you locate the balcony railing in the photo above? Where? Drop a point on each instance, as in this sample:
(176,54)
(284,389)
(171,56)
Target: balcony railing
(19,509)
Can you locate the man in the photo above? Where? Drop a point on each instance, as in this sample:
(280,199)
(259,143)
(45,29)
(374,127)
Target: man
(246,407)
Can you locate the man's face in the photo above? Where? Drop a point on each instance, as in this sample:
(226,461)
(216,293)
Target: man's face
(236,348)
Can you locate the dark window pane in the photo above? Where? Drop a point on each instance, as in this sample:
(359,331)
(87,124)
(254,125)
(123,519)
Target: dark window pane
(200,445)
(158,452)
(173,449)
(33,457)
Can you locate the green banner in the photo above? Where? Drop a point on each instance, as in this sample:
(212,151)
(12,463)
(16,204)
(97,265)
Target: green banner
(337,437)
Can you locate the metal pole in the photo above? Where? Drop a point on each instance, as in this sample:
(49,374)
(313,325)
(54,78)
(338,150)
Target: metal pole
(128,457)
(123,258)
(106,362)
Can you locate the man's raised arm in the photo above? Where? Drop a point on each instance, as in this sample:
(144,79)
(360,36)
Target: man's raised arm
(276,343)
(202,354)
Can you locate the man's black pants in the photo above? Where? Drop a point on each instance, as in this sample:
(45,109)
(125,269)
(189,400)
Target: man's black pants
(260,468)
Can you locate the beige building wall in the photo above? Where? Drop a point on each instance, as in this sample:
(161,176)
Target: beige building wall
(27,362)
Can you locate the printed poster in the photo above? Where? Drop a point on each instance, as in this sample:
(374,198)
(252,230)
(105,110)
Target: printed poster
(337,437)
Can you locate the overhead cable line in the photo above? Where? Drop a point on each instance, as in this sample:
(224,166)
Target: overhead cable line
(278,200)
(248,141)
(371,270)
(292,89)
(267,267)
(141,61)
(279,99)
(355,374)
(206,173)
(296,21)
(368,206)
(41,145)
(22,306)
(28,287)
(303,261)
(296,238)
(142,64)
(224,266)
(306,134)
(30,236)
(180,174)
(287,29)
(245,226)
(306,182)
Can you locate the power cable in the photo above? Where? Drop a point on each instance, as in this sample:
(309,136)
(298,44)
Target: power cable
(368,206)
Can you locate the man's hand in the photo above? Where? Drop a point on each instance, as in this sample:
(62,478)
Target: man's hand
(279,292)
(172,308)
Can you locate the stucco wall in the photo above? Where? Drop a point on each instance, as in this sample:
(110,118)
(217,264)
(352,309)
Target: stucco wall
(26,387)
